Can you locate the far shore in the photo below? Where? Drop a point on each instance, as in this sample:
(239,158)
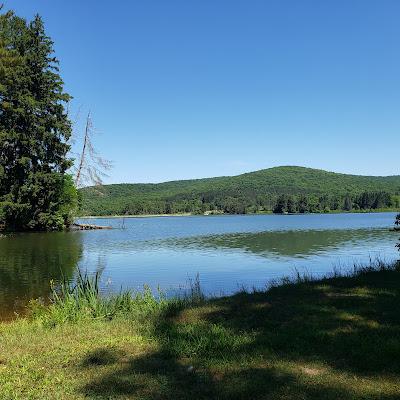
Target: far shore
(226,214)
(137,216)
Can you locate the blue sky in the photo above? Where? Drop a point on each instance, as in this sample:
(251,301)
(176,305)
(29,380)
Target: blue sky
(190,89)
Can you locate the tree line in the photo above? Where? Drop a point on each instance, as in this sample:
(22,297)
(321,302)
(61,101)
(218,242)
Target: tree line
(202,203)
(364,201)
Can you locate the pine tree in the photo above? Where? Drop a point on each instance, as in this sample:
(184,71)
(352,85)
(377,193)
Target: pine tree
(36,193)
(281,205)
(347,204)
(303,204)
(291,205)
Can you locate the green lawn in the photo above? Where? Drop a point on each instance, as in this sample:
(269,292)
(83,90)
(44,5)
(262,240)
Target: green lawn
(336,338)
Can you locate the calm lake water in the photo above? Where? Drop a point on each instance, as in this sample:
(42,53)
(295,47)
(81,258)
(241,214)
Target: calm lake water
(228,252)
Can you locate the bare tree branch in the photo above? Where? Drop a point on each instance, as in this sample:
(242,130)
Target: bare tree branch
(92,168)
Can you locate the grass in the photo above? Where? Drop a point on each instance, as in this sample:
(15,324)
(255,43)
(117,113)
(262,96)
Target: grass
(332,338)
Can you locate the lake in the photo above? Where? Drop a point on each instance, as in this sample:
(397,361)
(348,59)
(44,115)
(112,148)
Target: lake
(228,252)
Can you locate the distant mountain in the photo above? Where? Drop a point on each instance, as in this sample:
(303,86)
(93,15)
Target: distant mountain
(250,192)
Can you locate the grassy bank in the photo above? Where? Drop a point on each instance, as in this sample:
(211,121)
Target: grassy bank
(334,338)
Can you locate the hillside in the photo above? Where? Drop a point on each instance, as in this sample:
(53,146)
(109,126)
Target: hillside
(310,190)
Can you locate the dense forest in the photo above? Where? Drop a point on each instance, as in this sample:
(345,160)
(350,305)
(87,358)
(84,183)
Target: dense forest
(280,190)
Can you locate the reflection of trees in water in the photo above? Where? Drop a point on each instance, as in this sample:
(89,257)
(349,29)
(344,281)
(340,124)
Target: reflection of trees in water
(285,243)
(29,261)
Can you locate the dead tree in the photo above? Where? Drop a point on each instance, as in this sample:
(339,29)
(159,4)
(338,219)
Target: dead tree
(91,168)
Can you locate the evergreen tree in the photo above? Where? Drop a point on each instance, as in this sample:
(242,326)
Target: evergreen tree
(281,205)
(303,204)
(325,203)
(35,191)
(291,205)
(347,205)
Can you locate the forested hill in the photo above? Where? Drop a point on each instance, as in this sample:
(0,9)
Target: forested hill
(280,189)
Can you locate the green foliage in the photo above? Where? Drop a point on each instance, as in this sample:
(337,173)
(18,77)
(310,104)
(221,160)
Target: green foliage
(283,189)
(68,200)
(281,204)
(347,204)
(35,193)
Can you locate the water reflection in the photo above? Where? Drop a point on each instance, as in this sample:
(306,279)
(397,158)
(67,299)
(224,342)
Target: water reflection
(226,262)
(227,252)
(283,243)
(29,261)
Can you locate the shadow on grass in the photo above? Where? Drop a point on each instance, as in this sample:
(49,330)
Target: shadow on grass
(264,346)
(102,357)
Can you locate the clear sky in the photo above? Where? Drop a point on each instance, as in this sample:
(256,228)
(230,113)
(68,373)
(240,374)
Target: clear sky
(190,89)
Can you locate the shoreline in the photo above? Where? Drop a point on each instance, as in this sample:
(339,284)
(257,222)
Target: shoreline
(226,214)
